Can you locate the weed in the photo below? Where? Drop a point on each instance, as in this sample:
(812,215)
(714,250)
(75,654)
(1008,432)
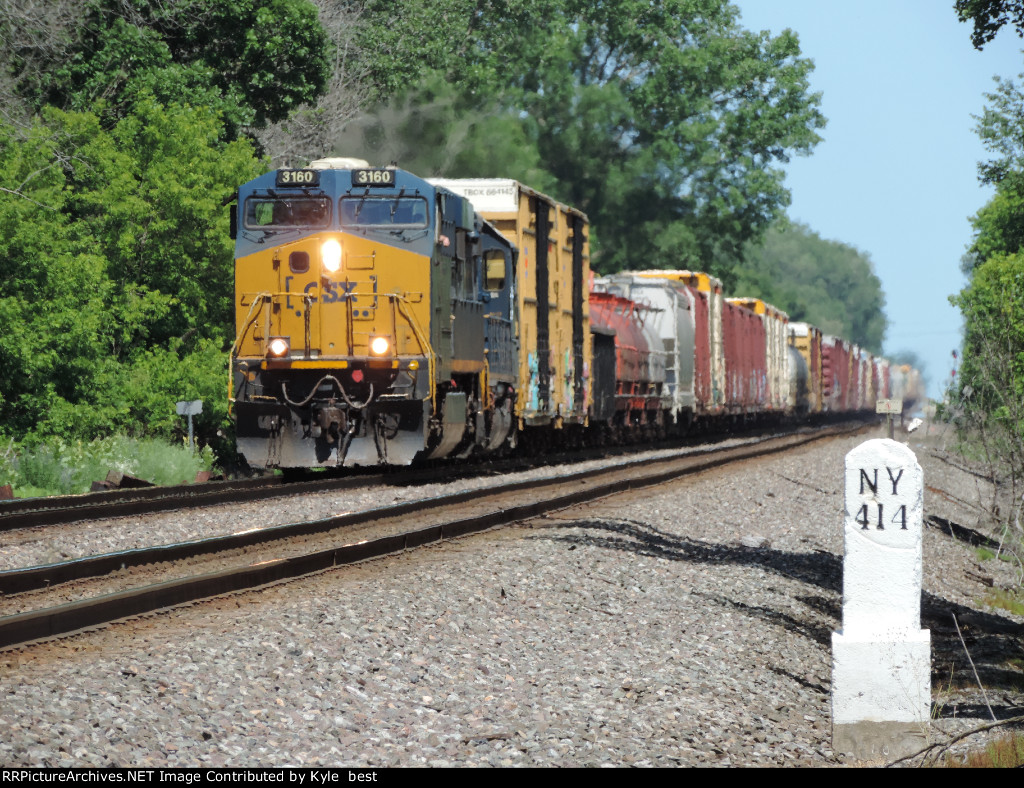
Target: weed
(1005,599)
(984,554)
(61,468)
(939,704)
(1006,752)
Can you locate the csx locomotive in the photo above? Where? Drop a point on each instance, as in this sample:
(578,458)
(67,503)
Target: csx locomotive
(382,318)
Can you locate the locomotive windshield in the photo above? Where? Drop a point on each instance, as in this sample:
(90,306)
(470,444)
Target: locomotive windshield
(396,212)
(267,213)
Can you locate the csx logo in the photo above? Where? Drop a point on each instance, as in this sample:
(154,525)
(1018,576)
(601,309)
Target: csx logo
(333,291)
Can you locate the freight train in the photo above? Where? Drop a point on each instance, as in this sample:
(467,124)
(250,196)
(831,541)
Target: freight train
(382,318)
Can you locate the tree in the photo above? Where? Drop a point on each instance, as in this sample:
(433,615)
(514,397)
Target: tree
(308,133)
(115,263)
(999,225)
(53,288)
(152,191)
(254,61)
(676,117)
(33,37)
(436,130)
(989,16)
(986,401)
(664,121)
(827,283)
(484,46)
(991,381)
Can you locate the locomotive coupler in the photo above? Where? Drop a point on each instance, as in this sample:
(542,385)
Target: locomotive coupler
(333,421)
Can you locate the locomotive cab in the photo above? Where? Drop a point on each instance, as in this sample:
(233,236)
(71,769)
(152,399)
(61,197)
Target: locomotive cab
(359,318)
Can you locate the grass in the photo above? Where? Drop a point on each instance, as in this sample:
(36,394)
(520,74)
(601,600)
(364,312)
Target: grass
(984,554)
(1005,599)
(1003,753)
(63,468)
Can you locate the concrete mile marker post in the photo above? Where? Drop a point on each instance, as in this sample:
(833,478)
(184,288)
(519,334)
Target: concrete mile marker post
(881,660)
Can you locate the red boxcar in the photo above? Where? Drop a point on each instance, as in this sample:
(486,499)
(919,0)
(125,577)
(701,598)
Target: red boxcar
(882,371)
(853,396)
(835,374)
(746,360)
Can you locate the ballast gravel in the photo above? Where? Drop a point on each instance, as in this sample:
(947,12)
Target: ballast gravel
(55,543)
(687,624)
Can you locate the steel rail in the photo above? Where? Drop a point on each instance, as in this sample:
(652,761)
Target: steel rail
(24,513)
(29,512)
(68,618)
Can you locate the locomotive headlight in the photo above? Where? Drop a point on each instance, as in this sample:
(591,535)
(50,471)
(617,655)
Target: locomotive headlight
(379,346)
(330,255)
(278,347)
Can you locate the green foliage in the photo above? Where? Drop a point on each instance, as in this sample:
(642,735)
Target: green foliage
(1006,752)
(116,272)
(58,467)
(481,45)
(52,299)
(435,129)
(252,61)
(1005,599)
(152,192)
(145,391)
(829,284)
(993,363)
(989,16)
(669,130)
(1001,130)
(999,228)
(988,407)
(664,121)
(999,225)
(988,403)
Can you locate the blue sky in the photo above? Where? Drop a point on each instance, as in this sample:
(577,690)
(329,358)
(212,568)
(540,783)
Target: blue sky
(896,175)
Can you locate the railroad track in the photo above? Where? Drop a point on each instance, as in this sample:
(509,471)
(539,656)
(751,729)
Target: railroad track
(27,513)
(188,572)
(56,510)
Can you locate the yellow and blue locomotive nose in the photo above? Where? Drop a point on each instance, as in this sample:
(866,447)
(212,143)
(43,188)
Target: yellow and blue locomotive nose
(332,289)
